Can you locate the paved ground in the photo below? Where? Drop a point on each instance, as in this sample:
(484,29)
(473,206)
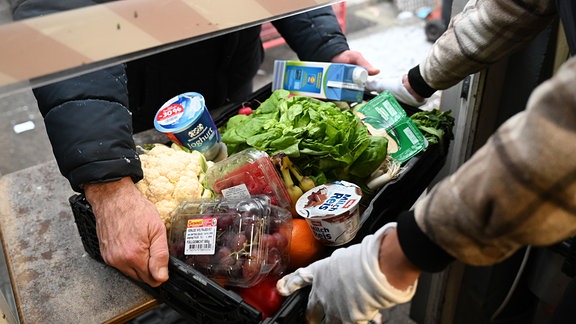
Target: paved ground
(390,36)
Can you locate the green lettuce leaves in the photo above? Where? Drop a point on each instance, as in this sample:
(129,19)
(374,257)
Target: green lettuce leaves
(324,141)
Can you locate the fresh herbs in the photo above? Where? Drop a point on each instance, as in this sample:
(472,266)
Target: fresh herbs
(435,125)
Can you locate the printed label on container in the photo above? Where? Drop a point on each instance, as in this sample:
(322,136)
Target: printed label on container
(332,211)
(201,236)
(239,192)
(170,115)
(303,78)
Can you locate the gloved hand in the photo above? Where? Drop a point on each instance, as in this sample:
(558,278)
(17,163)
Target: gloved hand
(395,86)
(348,286)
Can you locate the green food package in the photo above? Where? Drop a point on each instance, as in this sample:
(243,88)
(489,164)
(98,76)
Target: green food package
(383,116)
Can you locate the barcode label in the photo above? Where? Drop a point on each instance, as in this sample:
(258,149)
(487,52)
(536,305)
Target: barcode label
(236,192)
(201,236)
(205,245)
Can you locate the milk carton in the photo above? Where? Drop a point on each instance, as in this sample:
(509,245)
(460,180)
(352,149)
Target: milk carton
(334,81)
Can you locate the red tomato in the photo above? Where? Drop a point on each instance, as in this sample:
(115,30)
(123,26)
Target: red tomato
(264,296)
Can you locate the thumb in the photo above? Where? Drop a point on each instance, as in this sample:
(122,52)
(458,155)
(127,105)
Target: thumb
(158,262)
(294,281)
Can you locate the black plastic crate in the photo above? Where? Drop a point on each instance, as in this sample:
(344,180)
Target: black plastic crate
(201,300)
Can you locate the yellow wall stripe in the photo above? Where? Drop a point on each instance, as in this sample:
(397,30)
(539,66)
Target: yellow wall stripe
(27,52)
(229,14)
(166,20)
(96,32)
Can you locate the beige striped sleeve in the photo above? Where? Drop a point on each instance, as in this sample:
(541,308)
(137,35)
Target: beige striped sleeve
(483,33)
(518,189)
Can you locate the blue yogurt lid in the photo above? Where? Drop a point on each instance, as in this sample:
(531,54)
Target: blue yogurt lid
(177,113)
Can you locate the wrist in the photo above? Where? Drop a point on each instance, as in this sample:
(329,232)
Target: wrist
(97,192)
(418,84)
(399,271)
(406,84)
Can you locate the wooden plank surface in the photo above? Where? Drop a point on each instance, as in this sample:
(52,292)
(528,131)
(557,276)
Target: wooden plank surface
(53,279)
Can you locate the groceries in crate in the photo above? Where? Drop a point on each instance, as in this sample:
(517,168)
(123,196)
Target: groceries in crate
(325,142)
(236,245)
(186,121)
(332,81)
(172,175)
(332,211)
(281,150)
(235,242)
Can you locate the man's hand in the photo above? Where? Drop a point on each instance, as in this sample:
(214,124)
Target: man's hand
(356,58)
(131,233)
(352,286)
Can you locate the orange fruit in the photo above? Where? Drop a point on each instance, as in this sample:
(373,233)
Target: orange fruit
(304,247)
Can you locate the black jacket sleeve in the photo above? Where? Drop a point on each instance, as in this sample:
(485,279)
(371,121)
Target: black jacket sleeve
(314,35)
(418,248)
(418,84)
(90,127)
(86,117)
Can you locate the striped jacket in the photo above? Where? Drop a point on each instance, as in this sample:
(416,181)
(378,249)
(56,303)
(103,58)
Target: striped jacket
(520,188)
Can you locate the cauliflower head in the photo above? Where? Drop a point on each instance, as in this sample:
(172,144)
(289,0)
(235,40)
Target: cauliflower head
(171,176)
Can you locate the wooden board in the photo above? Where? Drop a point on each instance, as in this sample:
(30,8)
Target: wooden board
(53,279)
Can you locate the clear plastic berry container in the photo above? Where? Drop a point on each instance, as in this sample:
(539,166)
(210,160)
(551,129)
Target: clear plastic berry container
(248,172)
(235,242)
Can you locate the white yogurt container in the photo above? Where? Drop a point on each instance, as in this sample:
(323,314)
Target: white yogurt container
(187,122)
(332,211)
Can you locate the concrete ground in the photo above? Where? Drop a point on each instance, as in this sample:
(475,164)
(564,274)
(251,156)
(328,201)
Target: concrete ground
(389,35)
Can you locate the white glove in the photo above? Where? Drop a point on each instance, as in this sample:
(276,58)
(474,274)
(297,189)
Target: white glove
(348,286)
(395,87)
